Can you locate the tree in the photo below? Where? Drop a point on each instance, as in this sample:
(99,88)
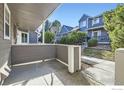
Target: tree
(49,36)
(55,26)
(47,25)
(56,23)
(114,24)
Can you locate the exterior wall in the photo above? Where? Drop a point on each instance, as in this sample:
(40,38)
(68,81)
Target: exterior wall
(29,53)
(14,33)
(33,38)
(90,22)
(5,45)
(84,18)
(62,53)
(68,55)
(19,37)
(83,29)
(104,32)
(77,59)
(119,66)
(103,35)
(90,33)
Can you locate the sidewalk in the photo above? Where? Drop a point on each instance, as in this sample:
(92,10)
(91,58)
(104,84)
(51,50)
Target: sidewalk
(101,73)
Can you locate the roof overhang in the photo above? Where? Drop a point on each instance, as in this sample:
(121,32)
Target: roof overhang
(29,16)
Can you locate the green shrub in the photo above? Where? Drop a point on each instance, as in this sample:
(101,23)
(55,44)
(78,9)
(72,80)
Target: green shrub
(64,40)
(73,38)
(49,36)
(92,42)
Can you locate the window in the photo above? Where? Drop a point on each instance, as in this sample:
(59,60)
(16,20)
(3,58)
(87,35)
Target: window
(95,21)
(83,24)
(24,38)
(6,22)
(95,34)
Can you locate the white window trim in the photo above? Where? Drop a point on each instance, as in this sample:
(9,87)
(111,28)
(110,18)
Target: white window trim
(83,23)
(87,22)
(94,22)
(98,33)
(27,37)
(7,37)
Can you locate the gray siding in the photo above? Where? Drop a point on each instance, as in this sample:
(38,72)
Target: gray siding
(5,45)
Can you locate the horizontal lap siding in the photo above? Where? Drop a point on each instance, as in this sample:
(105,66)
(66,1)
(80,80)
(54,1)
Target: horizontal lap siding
(5,45)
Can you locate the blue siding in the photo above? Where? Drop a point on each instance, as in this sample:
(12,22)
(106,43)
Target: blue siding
(89,22)
(91,25)
(89,33)
(83,18)
(94,27)
(32,37)
(104,35)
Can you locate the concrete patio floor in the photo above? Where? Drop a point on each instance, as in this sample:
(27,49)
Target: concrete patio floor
(43,74)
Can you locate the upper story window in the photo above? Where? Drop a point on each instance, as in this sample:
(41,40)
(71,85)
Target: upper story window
(6,22)
(83,24)
(95,21)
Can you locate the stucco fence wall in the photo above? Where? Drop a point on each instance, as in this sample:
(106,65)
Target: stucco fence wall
(119,66)
(69,55)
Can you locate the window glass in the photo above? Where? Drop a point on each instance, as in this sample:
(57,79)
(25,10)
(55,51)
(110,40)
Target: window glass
(6,16)
(95,20)
(6,22)
(95,34)
(24,38)
(84,23)
(7,29)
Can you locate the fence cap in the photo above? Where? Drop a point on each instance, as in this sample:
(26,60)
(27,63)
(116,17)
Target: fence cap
(120,50)
(45,44)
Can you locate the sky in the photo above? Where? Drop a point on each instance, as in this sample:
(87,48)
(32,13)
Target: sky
(69,14)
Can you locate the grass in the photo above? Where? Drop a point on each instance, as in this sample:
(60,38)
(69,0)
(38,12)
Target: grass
(102,54)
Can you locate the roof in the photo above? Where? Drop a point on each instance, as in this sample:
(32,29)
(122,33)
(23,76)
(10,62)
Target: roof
(29,16)
(75,28)
(65,29)
(96,16)
(84,17)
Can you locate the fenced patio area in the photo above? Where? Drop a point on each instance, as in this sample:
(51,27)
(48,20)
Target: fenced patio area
(47,64)
(44,74)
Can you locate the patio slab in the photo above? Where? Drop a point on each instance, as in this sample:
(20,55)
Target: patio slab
(44,74)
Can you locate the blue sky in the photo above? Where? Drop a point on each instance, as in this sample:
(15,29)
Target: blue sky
(69,14)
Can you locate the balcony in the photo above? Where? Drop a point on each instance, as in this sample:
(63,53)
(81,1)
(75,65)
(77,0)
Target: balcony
(103,39)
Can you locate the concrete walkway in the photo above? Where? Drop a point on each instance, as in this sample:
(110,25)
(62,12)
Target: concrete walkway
(101,71)
(44,74)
